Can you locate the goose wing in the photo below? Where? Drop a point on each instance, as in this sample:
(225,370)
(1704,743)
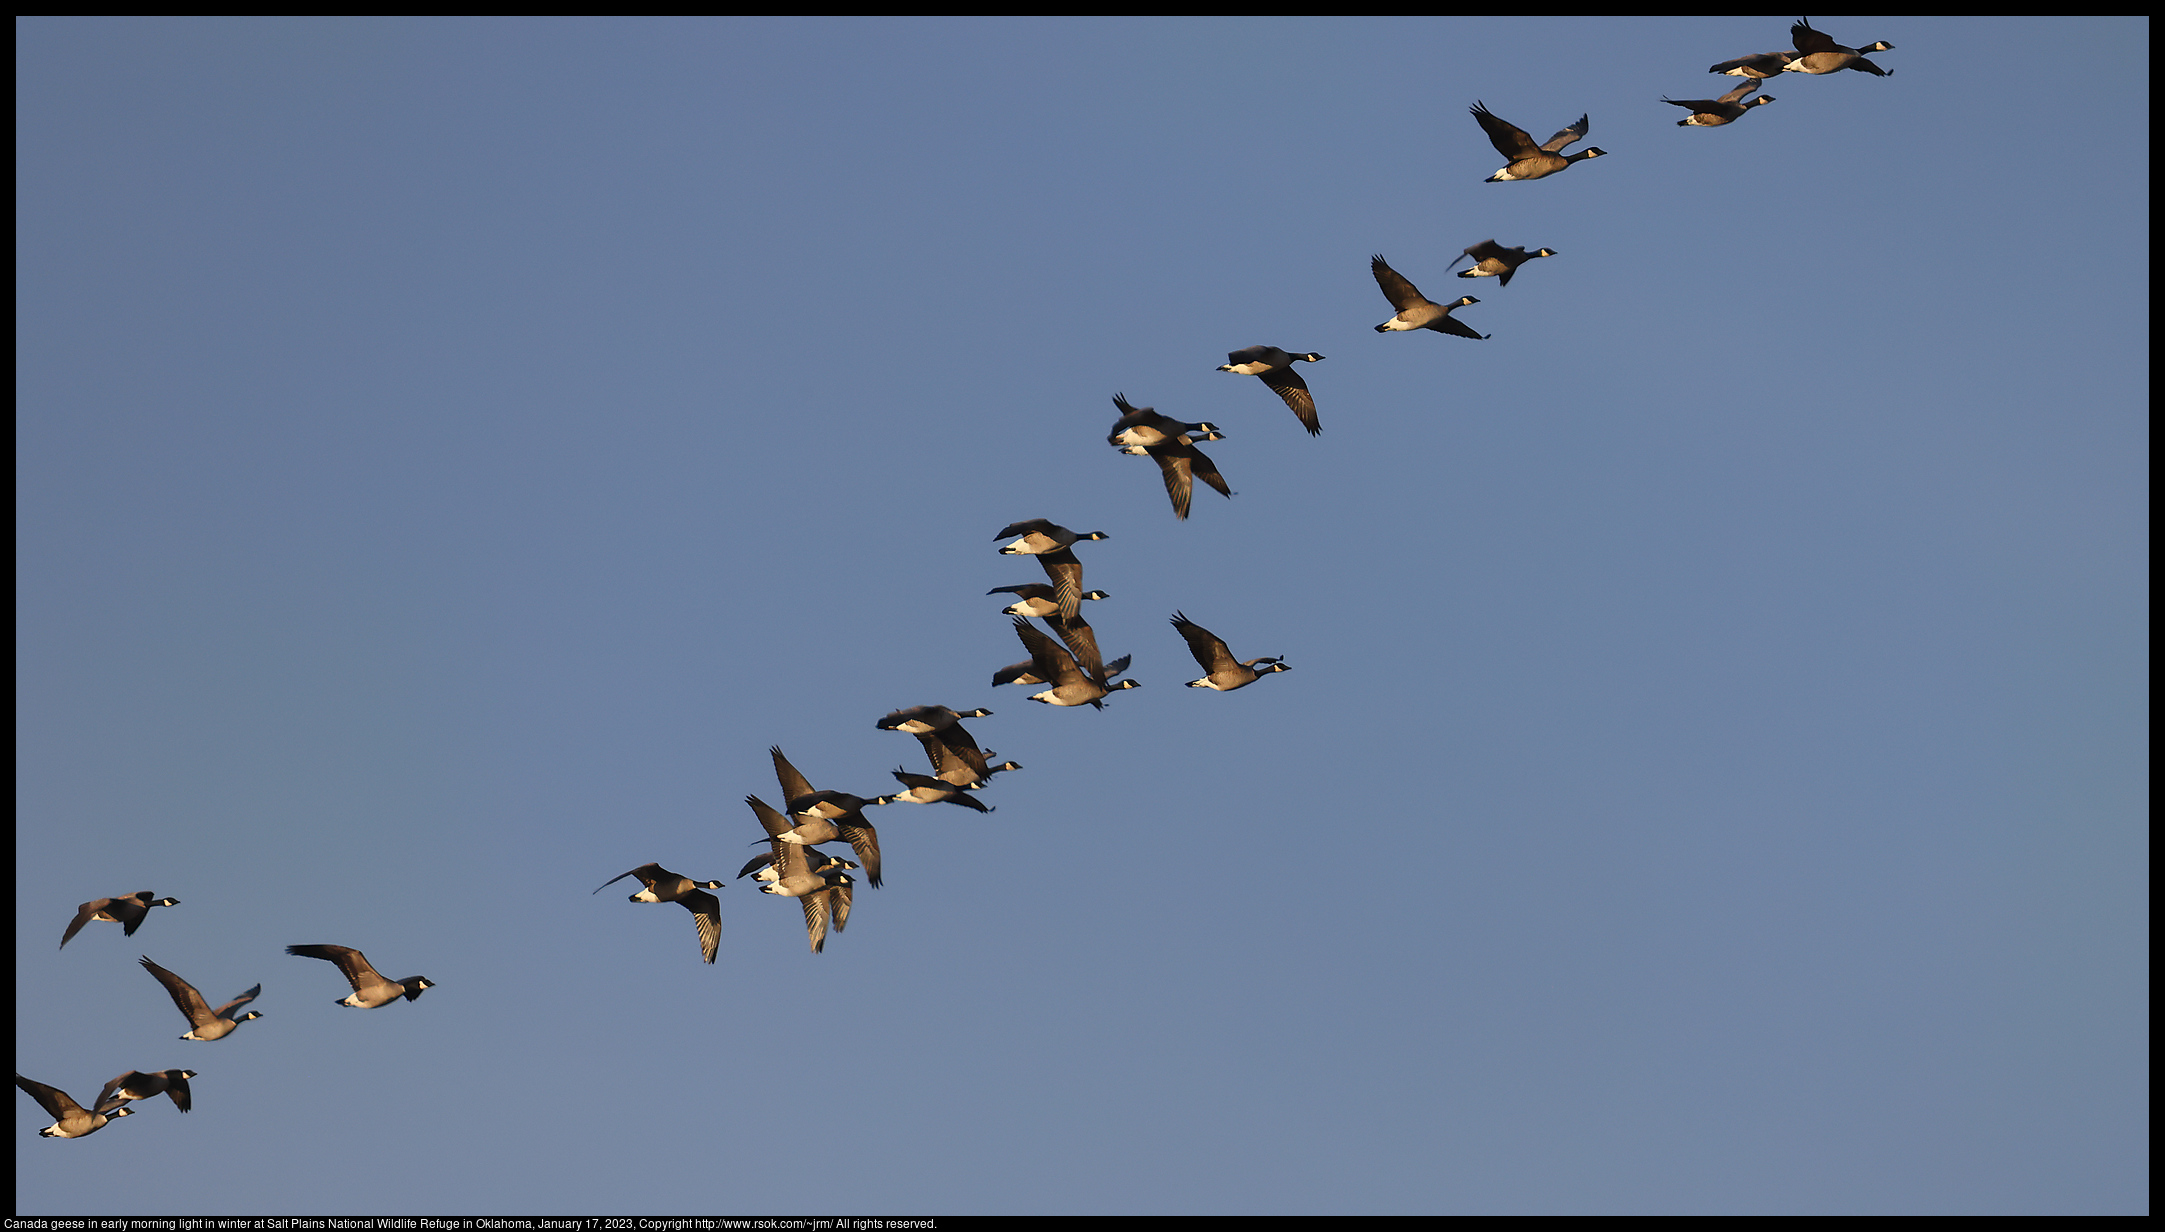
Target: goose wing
(1510,140)
(184,995)
(1402,294)
(351,962)
(793,783)
(1565,136)
(1211,654)
(648,873)
(707,915)
(1289,386)
(84,915)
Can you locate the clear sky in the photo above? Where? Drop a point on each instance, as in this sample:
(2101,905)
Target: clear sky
(1711,777)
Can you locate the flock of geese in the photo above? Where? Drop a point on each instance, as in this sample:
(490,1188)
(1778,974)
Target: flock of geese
(1067,661)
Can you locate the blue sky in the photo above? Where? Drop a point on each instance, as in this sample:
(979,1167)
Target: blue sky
(1711,777)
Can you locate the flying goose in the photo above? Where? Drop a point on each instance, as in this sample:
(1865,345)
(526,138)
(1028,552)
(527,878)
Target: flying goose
(1050,544)
(845,811)
(205,1022)
(373,991)
(662,886)
(1070,687)
(70,1119)
(1710,112)
(1527,160)
(1036,598)
(800,873)
(1416,311)
(1818,53)
(924,789)
(1493,260)
(128,912)
(1275,368)
(1225,673)
(136,1084)
(1142,425)
(1180,464)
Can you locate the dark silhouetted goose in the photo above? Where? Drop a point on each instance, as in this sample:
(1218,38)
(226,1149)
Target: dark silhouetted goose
(205,1023)
(136,1084)
(127,912)
(1818,53)
(1416,311)
(1037,599)
(1180,464)
(1275,367)
(1712,112)
(1493,260)
(662,886)
(1050,544)
(1142,425)
(1527,160)
(802,874)
(70,1119)
(374,991)
(1070,685)
(924,789)
(845,811)
(1225,672)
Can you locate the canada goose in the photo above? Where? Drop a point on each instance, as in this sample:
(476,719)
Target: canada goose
(1050,544)
(136,1084)
(1070,687)
(1765,64)
(1416,311)
(1037,599)
(373,991)
(1142,425)
(662,886)
(1275,368)
(1818,53)
(1225,672)
(1180,464)
(953,751)
(70,1119)
(1025,672)
(128,912)
(205,1022)
(1710,112)
(833,869)
(924,789)
(1493,260)
(800,873)
(844,810)
(1530,161)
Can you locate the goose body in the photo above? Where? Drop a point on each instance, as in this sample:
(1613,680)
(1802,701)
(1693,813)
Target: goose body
(1142,425)
(127,911)
(1275,368)
(374,991)
(1528,161)
(1415,310)
(1037,598)
(135,1084)
(1818,53)
(1223,672)
(70,1119)
(924,789)
(204,1022)
(1711,112)
(662,886)
(1493,260)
